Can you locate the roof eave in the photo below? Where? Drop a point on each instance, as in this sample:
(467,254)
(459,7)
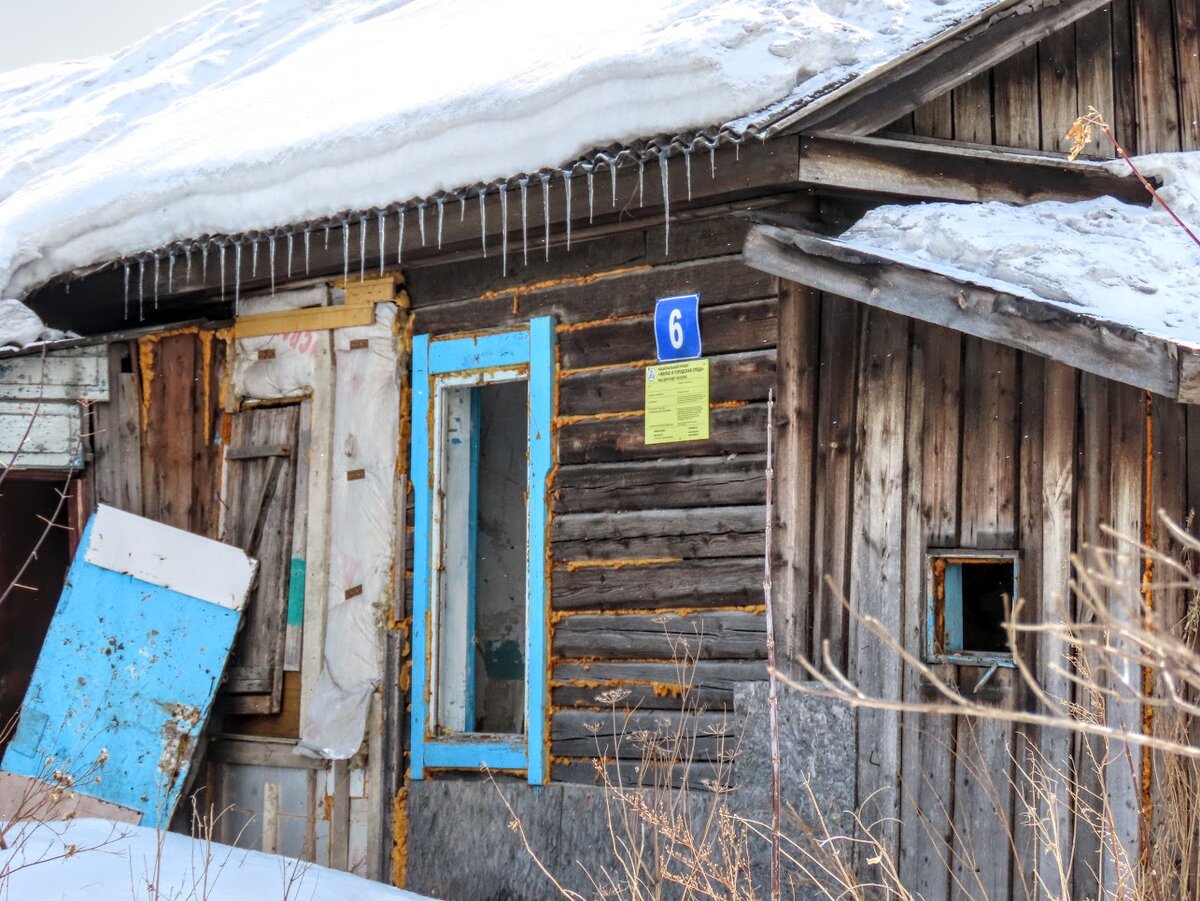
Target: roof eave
(1110,350)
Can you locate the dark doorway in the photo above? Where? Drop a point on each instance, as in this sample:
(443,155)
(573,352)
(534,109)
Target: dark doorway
(34,557)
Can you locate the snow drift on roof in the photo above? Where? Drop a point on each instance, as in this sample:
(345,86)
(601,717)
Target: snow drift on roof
(250,115)
(1128,265)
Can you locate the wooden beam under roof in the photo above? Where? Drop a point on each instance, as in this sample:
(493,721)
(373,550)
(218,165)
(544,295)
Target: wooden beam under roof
(1107,349)
(869,102)
(925,169)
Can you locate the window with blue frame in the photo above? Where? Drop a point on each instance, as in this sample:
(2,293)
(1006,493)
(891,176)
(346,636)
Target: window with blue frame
(482,407)
(969,599)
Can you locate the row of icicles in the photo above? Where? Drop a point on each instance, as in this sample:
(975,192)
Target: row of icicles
(227,243)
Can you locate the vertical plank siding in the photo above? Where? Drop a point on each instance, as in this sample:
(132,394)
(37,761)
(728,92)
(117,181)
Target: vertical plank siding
(1136,61)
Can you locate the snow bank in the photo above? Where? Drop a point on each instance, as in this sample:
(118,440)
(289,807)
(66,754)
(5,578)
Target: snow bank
(1128,265)
(102,860)
(252,115)
(21,327)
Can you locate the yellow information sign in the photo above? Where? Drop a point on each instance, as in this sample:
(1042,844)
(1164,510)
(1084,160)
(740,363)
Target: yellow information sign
(677,402)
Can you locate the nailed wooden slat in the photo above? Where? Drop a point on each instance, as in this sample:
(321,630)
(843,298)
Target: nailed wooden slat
(1187,56)
(731,581)
(876,578)
(641,697)
(973,110)
(1157,89)
(732,430)
(1015,100)
(927,799)
(168,374)
(1094,70)
(795,428)
(117,439)
(841,322)
(1058,89)
(687,532)
(76,373)
(648,484)
(698,775)
(1125,103)
(732,377)
(1057,535)
(716,635)
(935,117)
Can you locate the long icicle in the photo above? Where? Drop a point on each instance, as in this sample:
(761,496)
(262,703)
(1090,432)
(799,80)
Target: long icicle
(400,240)
(441,215)
(421,221)
(545,179)
(127,290)
(523,182)
(307,249)
(141,288)
(156,263)
(664,170)
(271,259)
(291,249)
(362,248)
(254,258)
(567,173)
(188,257)
(221,263)
(381,227)
(503,188)
(483,220)
(345,251)
(170,273)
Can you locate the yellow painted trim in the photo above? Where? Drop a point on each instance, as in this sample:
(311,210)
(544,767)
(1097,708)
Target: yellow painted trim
(371,290)
(309,319)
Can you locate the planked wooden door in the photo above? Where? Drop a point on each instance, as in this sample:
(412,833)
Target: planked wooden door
(260,507)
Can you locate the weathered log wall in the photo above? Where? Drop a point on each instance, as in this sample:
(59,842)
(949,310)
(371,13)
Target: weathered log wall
(656,551)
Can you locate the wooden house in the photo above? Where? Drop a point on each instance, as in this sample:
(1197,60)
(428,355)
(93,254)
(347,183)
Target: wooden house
(465,538)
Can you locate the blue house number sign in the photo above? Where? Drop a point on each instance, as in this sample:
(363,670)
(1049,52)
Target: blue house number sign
(677,328)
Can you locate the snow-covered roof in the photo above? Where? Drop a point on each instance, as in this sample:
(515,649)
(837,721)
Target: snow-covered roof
(260,115)
(1126,265)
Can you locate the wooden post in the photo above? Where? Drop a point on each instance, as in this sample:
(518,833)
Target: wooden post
(772,696)
(270,819)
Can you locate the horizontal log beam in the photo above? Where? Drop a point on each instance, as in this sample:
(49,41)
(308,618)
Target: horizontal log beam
(940,171)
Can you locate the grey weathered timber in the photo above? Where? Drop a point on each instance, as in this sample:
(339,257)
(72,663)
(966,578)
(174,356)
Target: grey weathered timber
(116,437)
(715,674)
(870,102)
(644,484)
(629,733)
(876,562)
(1058,488)
(1113,351)
(645,585)
(927,740)
(696,532)
(618,292)
(728,328)
(841,325)
(939,171)
(713,635)
(795,427)
(732,430)
(732,377)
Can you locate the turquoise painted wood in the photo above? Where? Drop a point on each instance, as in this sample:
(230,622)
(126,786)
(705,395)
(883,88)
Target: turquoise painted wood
(451,357)
(125,682)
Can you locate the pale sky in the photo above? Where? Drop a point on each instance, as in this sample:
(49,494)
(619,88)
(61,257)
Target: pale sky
(42,31)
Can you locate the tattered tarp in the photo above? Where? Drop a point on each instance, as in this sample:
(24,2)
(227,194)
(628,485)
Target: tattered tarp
(131,662)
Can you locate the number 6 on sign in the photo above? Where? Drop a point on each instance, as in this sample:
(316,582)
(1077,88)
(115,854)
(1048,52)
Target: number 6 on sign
(677,327)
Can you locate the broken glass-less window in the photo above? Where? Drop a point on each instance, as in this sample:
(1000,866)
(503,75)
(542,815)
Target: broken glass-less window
(481,457)
(968,601)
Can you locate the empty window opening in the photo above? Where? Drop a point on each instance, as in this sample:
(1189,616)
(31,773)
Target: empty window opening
(480,684)
(969,601)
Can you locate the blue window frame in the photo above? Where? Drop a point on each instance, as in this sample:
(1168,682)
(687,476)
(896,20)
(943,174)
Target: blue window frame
(969,597)
(479,570)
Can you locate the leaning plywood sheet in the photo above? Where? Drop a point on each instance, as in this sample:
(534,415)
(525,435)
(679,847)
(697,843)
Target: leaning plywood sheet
(132,659)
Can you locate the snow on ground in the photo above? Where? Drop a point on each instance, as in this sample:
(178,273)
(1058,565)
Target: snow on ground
(249,115)
(1128,265)
(101,860)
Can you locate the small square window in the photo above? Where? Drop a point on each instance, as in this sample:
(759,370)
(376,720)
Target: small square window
(969,597)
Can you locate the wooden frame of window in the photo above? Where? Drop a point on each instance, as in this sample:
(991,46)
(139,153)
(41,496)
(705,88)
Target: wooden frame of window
(944,605)
(454,361)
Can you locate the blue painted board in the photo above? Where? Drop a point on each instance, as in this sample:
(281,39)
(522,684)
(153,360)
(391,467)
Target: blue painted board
(130,668)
